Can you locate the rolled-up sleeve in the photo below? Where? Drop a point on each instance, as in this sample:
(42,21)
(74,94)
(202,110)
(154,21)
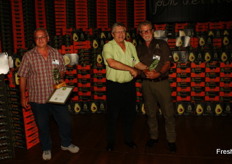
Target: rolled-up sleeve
(24,67)
(107,53)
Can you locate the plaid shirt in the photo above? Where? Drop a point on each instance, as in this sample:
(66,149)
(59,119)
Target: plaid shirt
(39,73)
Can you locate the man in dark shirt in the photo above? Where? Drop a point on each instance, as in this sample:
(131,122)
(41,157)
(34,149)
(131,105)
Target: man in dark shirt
(155,86)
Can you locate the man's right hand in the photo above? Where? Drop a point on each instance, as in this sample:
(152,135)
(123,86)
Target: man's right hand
(25,104)
(134,72)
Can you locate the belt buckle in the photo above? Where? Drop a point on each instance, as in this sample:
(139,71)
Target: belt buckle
(158,79)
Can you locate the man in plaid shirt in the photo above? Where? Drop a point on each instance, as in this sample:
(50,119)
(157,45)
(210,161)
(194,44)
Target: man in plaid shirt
(36,74)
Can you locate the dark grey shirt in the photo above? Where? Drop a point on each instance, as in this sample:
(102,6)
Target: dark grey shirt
(158,49)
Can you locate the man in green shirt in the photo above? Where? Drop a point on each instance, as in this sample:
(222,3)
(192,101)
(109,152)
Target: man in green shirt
(122,64)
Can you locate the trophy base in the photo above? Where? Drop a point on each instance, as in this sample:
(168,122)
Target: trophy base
(57,86)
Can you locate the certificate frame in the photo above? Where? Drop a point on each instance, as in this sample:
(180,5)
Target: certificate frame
(60,95)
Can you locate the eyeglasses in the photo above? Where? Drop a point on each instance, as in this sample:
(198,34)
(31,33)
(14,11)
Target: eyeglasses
(42,37)
(119,32)
(145,31)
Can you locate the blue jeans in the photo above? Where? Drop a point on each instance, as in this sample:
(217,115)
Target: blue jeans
(42,112)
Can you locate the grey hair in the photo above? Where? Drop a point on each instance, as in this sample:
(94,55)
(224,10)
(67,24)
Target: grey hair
(116,25)
(146,22)
(41,29)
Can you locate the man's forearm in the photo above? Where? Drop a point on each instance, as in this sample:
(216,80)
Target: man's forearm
(165,67)
(23,81)
(141,66)
(118,65)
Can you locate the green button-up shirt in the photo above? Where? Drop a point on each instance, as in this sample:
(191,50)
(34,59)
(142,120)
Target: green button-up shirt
(112,50)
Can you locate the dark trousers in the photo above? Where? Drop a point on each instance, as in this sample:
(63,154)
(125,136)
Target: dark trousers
(42,113)
(121,98)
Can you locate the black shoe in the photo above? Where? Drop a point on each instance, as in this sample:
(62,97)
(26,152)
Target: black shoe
(172,147)
(131,144)
(110,147)
(151,142)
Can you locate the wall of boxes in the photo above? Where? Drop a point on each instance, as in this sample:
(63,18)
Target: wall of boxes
(200,77)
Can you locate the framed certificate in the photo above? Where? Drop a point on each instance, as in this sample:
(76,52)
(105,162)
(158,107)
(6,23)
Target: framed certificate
(60,96)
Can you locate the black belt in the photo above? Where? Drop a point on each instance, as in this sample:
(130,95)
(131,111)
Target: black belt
(157,79)
(132,81)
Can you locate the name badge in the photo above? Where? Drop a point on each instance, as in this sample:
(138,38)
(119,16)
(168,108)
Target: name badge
(133,59)
(156,57)
(54,61)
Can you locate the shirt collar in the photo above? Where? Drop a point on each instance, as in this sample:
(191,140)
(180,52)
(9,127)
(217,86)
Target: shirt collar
(125,42)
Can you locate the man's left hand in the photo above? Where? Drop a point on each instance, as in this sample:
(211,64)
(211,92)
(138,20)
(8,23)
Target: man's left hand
(152,74)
